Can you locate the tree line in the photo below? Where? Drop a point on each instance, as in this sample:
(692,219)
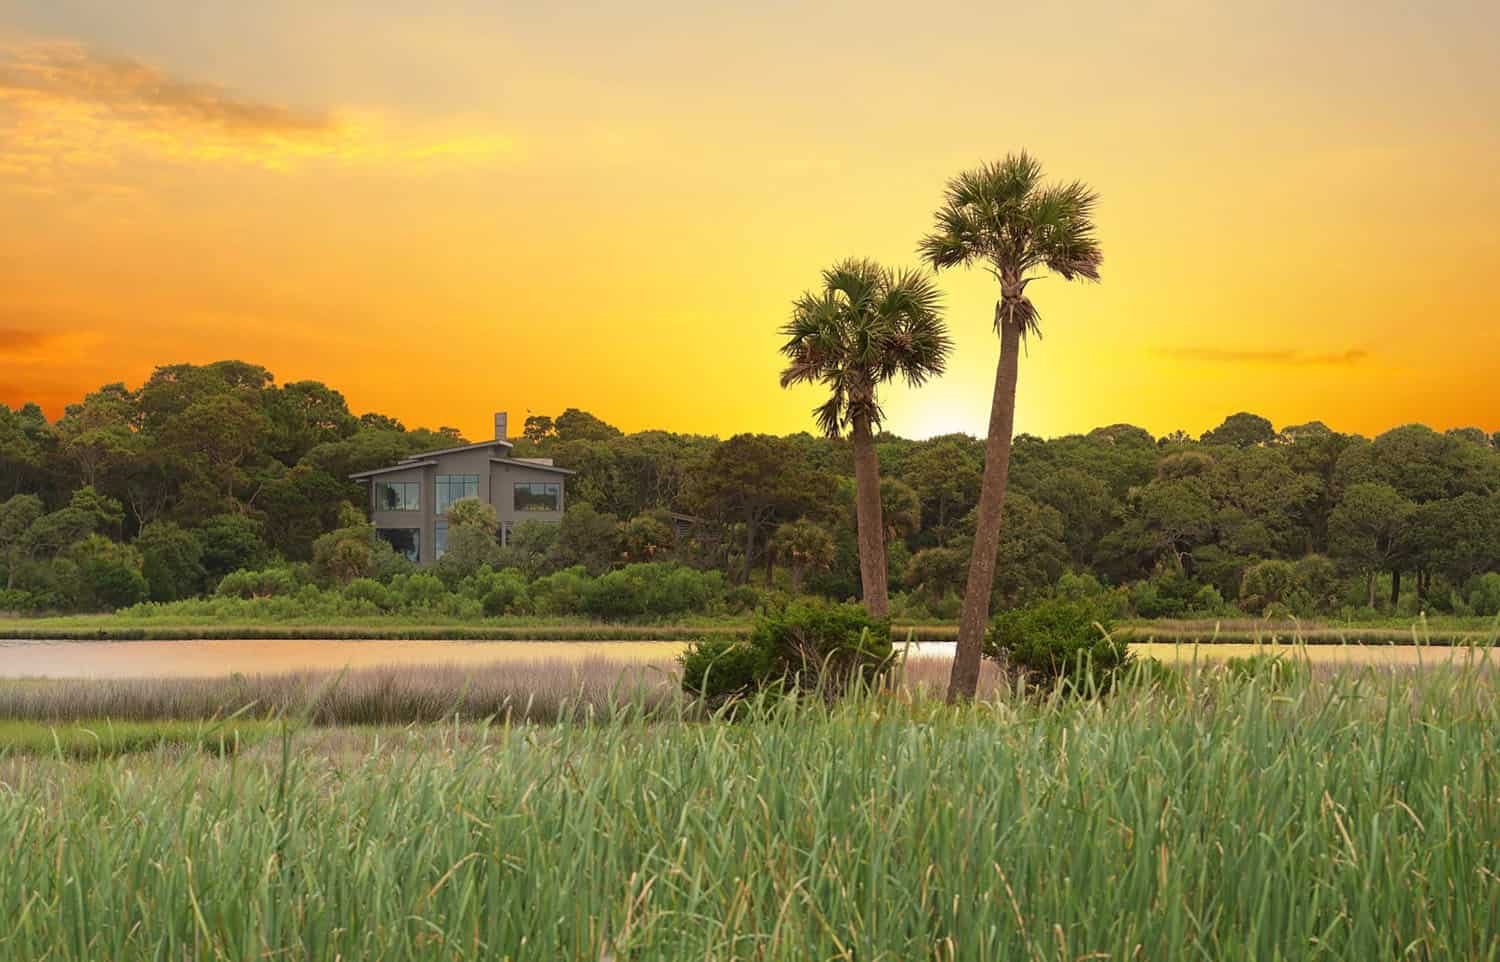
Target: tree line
(154,493)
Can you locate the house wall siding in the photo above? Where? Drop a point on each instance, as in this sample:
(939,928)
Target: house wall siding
(504,477)
(496,488)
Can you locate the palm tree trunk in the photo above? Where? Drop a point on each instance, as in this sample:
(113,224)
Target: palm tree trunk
(964,681)
(872,574)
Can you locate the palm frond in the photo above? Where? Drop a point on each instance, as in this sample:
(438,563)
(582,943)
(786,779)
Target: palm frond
(866,326)
(1002,216)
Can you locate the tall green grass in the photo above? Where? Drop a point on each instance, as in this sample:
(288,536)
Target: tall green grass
(104,737)
(1351,817)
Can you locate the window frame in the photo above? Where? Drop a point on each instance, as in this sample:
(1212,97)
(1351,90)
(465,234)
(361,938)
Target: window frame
(414,503)
(416,543)
(446,482)
(553,488)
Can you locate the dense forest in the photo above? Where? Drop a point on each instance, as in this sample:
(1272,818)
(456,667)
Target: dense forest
(214,480)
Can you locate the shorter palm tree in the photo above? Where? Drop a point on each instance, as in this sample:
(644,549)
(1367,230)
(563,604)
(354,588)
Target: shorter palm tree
(868,325)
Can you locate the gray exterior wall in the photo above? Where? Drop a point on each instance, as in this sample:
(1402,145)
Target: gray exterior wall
(504,477)
(496,487)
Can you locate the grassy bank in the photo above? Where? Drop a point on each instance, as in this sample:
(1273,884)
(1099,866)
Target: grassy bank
(1353,817)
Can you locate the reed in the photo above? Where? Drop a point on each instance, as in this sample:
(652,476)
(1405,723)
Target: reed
(1349,816)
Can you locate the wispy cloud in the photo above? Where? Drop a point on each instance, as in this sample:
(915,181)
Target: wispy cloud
(19,343)
(1284,358)
(50,73)
(65,107)
(14,341)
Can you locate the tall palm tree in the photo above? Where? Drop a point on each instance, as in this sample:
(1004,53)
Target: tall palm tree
(1002,217)
(866,326)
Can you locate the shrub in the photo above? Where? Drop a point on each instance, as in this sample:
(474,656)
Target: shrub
(824,647)
(616,594)
(1266,583)
(717,669)
(228,543)
(14,599)
(1318,585)
(420,590)
(1060,643)
(811,647)
(266,583)
(108,574)
(742,598)
(499,592)
(1484,594)
(560,593)
(1164,596)
(372,592)
(673,589)
(172,561)
(1208,601)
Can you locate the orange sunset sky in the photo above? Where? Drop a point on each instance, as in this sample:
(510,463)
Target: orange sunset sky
(532,205)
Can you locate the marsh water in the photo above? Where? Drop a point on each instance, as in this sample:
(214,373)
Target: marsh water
(187,659)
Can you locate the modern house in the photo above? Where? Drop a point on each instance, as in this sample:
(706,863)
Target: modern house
(409,500)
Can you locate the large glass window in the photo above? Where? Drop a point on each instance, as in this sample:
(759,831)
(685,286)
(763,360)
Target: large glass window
(538,496)
(439,539)
(398,495)
(451,487)
(406,541)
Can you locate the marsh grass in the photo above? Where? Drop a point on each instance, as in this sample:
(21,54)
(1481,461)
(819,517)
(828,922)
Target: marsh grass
(543,691)
(1348,817)
(105,738)
(539,691)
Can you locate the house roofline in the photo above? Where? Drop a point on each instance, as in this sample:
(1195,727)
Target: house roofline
(532,464)
(461,447)
(403,466)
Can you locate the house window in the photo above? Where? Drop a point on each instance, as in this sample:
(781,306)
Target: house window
(439,539)
(406,541)
(452,487)
(538,496)
(397,495)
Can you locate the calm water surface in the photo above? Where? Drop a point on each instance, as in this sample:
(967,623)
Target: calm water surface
(185,659)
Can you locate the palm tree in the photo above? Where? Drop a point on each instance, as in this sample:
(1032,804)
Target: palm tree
(866,326)
(1002,217)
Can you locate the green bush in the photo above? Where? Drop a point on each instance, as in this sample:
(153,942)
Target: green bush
(560,593)
(1484,594)
(1170,595)
(742,598)
(1318,586)
(717,669)
(500,592)
(14,599)
(1265,584)
(265,583)
(1057,642)
(420,590)
(172,561)
(616,595)
(825,649)
(371,591)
